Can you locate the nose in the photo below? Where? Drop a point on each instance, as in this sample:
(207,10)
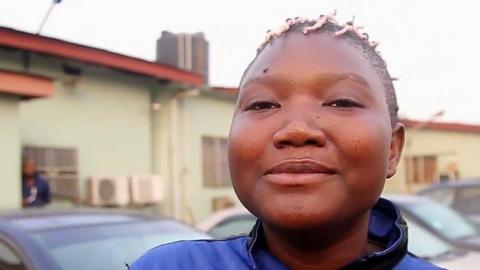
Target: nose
(297,134)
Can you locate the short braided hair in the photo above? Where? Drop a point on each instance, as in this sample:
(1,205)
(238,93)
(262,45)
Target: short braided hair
(351,34)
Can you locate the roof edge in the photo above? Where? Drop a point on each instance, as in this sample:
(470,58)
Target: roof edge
(445,126)
(40,44)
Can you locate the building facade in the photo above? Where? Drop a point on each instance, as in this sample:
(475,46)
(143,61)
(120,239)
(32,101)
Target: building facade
(436,152)
(95,116)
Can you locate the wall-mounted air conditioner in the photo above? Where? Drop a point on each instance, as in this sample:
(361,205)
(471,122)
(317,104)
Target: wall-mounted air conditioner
(146,189)
(108,191)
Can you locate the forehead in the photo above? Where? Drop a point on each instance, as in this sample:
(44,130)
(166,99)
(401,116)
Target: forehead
(300,58)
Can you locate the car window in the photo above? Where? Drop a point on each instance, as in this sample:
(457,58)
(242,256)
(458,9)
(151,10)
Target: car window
(468,200)
(423,243)
(9,259)
(110,246)
(445,196)
(443,219)
(233,226)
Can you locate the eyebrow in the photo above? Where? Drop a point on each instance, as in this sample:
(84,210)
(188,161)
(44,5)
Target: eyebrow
(329,79)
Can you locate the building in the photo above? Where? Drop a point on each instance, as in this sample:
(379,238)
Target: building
(185,51)
(13,89)
(435,152)
(86,112)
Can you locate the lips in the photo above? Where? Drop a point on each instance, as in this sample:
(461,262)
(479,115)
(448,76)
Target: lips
(298,172)
(301,166)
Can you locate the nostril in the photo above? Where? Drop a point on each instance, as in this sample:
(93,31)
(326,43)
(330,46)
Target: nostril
(284,143)
(311,142)
(298,142)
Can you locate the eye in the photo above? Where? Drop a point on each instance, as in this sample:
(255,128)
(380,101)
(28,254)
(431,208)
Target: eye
(343,103)
(262,105)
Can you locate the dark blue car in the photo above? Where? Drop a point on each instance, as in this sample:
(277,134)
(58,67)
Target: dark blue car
(81,239)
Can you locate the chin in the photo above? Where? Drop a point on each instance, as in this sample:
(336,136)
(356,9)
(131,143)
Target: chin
(298,216)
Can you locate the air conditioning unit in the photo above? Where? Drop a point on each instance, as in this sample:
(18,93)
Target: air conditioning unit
(146,189)
(108,191)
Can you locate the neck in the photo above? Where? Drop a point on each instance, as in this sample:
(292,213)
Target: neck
(329,247)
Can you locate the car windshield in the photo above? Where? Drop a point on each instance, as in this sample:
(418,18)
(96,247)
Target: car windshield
(443,219)
(110,246)
(423,243)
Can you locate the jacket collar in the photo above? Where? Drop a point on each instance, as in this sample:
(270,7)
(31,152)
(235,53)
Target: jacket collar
(386,227)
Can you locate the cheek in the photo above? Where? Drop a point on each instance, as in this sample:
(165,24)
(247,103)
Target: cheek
(365,149)
(247,143)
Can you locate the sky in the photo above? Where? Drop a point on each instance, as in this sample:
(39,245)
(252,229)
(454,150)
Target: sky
(431,46)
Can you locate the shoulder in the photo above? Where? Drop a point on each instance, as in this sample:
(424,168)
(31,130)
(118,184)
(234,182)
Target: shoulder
(202,254)
(41,180)
(412,262)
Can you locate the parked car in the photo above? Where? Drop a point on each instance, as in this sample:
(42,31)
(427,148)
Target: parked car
(428,246)
(422,242)
(441,220)
(463,196)
(79,239)
(228,222)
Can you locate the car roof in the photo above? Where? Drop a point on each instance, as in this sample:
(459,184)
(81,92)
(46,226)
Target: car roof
(473,182)
(404,199)
(222,215)
(50,219)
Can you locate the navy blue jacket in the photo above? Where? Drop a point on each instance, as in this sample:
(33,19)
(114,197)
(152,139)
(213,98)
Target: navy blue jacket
(38,194)
(248,252)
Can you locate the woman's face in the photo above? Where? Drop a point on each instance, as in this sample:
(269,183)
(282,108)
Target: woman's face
(311,141)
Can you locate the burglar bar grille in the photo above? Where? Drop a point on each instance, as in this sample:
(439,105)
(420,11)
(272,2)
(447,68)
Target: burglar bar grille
(59,166)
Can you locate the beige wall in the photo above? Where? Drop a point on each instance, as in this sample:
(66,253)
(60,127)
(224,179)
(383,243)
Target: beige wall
(162,146)
(10,183)
(104,114)
(178,128)
(462,148)
(204,116)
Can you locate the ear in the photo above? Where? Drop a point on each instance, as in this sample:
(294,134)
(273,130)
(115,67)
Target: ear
(396,148)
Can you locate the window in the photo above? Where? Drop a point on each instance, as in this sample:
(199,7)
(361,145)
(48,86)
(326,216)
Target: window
(443,220)
(444,196)
(215,162)
(423,243)
(59,166)
(108,246)
(9,260)
(422,169)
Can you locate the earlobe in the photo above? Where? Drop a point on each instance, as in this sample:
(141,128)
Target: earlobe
(396,148)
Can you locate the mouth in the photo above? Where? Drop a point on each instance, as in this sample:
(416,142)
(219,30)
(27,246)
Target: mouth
(298,172)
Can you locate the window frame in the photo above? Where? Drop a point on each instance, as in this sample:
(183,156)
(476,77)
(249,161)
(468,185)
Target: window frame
(34,257)
(417,169)
(19,252)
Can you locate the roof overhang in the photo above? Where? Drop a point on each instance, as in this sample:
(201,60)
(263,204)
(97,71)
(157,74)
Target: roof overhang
(453,127)
(25,85)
